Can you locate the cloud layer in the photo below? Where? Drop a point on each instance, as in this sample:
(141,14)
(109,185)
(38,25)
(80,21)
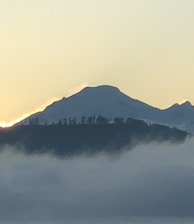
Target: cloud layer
(149,181)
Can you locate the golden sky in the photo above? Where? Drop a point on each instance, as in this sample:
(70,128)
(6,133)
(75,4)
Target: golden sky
(52,48)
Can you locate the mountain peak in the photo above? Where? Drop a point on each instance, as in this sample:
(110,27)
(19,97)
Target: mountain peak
(100,92)
(101,88)
(186,104)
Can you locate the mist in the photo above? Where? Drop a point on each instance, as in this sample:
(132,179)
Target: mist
(137,186)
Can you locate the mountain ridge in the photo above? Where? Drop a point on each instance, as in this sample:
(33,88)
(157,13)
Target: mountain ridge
(110,102)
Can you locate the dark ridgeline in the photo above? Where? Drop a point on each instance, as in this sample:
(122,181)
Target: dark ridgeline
(91,135)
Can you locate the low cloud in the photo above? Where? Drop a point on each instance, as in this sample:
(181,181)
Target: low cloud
(149,181)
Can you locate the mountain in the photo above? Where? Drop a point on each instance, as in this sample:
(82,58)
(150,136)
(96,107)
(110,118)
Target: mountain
(110,102)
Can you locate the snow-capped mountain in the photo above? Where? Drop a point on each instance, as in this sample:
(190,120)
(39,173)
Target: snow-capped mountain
(111,102)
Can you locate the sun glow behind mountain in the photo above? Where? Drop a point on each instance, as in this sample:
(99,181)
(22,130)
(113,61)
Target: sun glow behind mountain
(11,123)
(70,92)
(7,124)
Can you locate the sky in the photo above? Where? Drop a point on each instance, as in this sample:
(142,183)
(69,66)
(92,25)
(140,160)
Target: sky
(152,181)
(50,49)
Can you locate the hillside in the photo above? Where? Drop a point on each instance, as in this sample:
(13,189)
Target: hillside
(66,140)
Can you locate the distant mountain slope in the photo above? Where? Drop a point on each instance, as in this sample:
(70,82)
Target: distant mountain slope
(110,102)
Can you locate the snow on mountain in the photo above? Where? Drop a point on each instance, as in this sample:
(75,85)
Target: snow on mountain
(111,102)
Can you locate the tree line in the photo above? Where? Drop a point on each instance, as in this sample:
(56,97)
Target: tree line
(86,120)
(88,136)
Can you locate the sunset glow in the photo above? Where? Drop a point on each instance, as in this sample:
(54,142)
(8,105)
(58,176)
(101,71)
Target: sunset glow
(49,49)
(10,124)
(13,122)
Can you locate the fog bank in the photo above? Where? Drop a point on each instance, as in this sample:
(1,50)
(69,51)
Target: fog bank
(149,181)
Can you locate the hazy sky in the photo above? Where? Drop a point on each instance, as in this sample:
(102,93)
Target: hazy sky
(51,48)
